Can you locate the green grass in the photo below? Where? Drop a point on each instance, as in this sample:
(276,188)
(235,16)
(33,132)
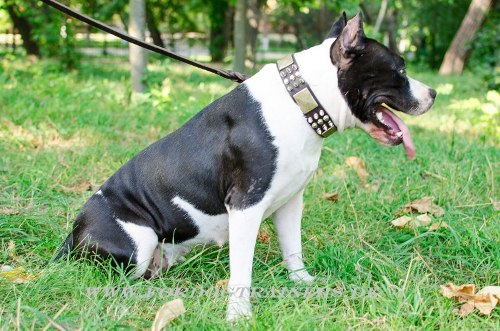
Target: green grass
(61,132)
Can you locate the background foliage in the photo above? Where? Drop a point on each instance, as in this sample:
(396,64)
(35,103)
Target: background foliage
(423,29)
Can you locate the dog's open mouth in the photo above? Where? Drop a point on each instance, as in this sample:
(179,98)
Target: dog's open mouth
(394,128)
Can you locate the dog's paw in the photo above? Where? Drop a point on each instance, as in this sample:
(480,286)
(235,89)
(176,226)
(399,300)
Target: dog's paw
(301,276)
(238,309)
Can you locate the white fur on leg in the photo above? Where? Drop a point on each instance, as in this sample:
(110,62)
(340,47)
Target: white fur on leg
(297,271)
(243,229)
(238,305)
(287,221)
(145,241)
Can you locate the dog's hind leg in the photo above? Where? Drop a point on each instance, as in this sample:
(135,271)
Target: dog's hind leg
(287,221)
(128,245)
(102,235)
(144,241)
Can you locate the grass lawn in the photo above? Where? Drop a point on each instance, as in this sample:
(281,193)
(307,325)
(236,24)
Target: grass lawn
(62,134)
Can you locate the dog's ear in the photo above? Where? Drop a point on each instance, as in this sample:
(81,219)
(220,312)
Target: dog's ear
(352,38)
(338,26)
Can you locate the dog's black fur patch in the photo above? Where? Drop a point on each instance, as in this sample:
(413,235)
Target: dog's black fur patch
(209,161)
(369,73)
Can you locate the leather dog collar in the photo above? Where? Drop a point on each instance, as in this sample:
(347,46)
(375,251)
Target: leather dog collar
(316,116)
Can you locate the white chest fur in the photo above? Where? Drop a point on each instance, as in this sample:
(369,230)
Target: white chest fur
(211,229)
(299,147)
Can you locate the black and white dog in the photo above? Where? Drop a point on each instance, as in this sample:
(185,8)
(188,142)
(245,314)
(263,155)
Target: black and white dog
(247,156)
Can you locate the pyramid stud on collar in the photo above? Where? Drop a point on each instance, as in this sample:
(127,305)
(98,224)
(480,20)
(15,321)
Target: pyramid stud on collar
(316,116)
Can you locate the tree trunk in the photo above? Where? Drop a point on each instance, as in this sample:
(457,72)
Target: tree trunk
(392,29)
(240,27)
(253,19)
(137,55)
(229,25)
(456,55)
(153,28)
(25,29)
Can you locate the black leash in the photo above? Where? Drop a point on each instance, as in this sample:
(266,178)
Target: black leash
(228,74)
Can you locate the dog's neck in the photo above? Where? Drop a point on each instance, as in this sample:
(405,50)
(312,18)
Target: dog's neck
(321,75)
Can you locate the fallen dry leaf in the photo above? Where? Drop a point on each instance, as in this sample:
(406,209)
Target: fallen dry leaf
(222,284)
(487,298)
(437,225)
(423,206)
(333,197)
(494,290)
(359,166)
(461,293)
(464,309)
(401,221)
(263,237)
(16,275)
(422,220)
(484,300)
(412,222)
(167,313)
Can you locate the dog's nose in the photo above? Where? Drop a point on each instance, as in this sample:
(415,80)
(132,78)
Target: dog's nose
(432,93)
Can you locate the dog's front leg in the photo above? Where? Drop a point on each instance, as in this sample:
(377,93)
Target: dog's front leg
(287,221)
(243,229)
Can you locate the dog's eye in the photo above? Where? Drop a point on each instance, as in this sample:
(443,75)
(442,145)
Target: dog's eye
(402,71)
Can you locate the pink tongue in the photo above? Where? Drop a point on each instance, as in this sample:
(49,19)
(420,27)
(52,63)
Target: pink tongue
(393,120)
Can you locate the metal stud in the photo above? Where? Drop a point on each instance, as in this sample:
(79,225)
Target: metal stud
(325,127)
(316,116)
(330,123)
(285,80)
(318,131)
(320,121)
(292,77)
(314,125)
(298,74)
(289,70)
(289,88)
(326,118)
(295,84)
(321,112)
(306,101)
(294,67)
(301,81)
(309,120)
(282,73)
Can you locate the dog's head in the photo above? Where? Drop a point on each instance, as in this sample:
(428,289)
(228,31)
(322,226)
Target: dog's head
(373,81)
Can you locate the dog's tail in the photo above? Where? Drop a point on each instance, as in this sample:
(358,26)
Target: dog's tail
(64,249)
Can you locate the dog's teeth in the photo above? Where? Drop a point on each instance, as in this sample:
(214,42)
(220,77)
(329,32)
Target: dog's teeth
(380,117)
(399,134)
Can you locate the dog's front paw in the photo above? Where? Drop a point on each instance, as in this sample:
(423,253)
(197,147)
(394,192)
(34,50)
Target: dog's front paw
(238,309)
(301,276)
